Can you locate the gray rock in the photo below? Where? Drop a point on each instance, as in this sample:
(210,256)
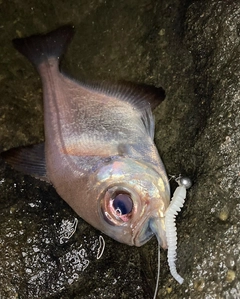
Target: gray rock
(191,49)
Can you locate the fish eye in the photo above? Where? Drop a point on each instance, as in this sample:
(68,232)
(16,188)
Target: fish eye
(118,205)
(123,204)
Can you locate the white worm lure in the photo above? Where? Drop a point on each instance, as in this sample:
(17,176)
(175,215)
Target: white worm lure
(175,206)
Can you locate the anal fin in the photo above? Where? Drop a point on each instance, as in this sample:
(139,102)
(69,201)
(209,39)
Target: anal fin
(29,160)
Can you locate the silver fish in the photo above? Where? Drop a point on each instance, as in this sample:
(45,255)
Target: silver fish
(99,152)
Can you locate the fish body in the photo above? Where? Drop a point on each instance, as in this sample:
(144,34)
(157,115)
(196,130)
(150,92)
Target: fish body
(99,152)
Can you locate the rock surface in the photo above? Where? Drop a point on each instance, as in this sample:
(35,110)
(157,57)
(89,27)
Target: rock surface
(191,49)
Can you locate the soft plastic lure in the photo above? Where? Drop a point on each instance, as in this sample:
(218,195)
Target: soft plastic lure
(175,206)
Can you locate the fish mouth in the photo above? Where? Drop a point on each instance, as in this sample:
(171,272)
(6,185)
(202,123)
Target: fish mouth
(150,227)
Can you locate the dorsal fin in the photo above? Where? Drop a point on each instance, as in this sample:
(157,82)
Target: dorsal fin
(141,96)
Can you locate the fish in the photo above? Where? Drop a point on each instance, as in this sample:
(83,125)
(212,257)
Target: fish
(99,151)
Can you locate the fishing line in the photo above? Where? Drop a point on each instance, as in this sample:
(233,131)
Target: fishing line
(158,273)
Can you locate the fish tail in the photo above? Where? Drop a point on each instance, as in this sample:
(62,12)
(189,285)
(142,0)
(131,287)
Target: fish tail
(39,48)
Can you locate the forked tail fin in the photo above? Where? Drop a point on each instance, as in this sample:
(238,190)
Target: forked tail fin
(38,48)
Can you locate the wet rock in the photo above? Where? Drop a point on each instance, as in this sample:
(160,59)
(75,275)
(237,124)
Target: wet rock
(191,49)
(213,38)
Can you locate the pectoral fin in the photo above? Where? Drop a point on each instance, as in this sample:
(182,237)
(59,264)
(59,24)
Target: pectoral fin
(29,160)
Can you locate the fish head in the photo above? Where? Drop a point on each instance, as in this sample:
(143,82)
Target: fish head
(133,201)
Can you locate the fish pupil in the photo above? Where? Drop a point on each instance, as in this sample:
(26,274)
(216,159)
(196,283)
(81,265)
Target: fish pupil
(123,204)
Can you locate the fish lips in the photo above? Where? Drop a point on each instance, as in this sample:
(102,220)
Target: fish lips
(149,227)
